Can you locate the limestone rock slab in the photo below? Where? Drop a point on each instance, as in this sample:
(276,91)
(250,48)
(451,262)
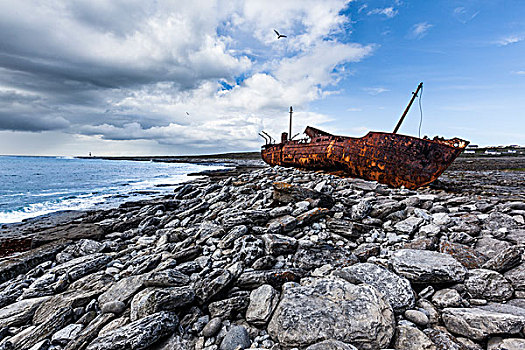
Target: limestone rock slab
(332,309)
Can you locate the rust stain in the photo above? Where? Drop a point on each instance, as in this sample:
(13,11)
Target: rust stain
(393,159)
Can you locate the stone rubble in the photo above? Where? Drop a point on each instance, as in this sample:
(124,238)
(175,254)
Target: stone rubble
(277,259)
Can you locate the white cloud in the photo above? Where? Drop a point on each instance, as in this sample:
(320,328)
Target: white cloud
(130,70)
(354,109)
(419,30)
(520,72)
(464,15)
(511,39)
(389,12)
(375,90)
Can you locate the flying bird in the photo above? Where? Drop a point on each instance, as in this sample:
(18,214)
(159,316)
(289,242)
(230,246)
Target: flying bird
(279,36)
(187,113)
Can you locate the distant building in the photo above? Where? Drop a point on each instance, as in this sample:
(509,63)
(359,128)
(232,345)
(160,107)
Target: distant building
(472,146)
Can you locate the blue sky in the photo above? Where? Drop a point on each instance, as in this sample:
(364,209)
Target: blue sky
(129,77)
(469,54)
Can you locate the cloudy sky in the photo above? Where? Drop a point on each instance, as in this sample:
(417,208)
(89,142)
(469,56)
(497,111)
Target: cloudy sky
(124,77)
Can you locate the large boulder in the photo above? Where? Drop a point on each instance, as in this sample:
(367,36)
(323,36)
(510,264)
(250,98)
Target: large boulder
(396,289)
(332,308)
(424,266)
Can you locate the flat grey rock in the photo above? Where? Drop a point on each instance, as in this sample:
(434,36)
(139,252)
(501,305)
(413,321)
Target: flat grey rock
(424,266)
(20,312)
(477,324)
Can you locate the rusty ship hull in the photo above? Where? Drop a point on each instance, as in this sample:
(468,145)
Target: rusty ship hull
(389,158)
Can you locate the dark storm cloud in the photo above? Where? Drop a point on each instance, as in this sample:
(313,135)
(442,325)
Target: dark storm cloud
(35,123)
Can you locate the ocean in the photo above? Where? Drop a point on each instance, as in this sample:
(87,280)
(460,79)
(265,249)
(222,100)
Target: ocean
(34,186)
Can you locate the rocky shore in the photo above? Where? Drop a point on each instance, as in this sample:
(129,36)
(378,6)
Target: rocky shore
(275,258)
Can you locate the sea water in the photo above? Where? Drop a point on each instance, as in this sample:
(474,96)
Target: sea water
(34,186)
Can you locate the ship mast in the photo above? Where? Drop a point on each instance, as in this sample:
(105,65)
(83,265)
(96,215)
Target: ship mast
(414,94)
(290,129)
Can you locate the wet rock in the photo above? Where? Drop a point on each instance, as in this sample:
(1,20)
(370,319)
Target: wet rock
(332,309)
(468,257)
(423,266)
(409,338)
(505,260)
(263,302)
(488,284)
(477,324)
(236,338)
(331,345)
(396,289)
(311,257)
(166,278)
(139,334)
(447,297)
(153,300)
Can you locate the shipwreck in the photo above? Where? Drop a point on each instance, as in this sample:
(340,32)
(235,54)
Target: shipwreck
(387,157)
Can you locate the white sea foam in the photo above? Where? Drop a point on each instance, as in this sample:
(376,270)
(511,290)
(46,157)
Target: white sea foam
(108,196)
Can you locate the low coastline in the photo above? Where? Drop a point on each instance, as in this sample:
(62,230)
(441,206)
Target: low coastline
(219,262)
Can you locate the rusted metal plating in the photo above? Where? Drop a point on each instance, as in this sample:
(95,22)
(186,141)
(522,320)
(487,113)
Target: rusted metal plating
(393,159)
